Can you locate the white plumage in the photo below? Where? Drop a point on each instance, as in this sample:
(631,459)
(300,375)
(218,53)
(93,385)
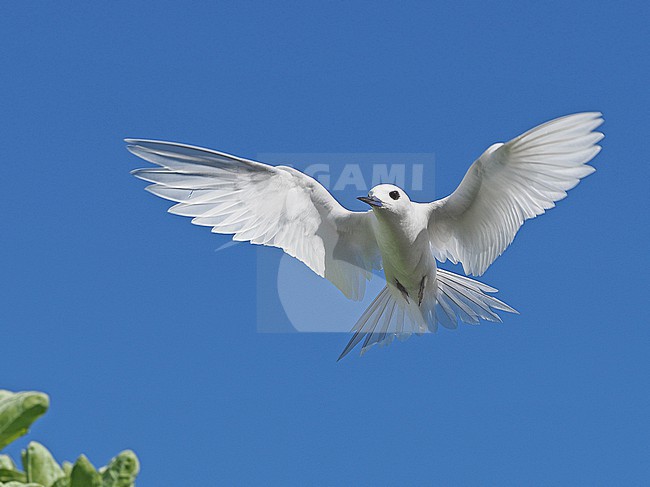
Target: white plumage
(509,184)
(282,207)
(266,205)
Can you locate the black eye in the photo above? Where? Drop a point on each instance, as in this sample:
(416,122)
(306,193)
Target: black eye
(394,195)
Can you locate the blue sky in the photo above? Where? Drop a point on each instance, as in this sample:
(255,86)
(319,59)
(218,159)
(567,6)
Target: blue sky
(146,338)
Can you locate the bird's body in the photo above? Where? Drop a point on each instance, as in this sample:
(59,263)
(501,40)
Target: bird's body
(404,244)
(280,206)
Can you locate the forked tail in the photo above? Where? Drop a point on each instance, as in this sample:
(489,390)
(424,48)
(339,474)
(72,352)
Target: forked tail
(390,316)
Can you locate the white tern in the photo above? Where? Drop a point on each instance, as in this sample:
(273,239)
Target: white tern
(283,207)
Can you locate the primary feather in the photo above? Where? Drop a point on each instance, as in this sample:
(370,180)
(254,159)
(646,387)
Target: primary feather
(509,184)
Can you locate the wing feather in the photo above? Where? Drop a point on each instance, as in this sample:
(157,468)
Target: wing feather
(509,184)
(266,205)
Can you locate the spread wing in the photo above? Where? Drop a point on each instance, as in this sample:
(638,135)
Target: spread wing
(266,205)
(509,184)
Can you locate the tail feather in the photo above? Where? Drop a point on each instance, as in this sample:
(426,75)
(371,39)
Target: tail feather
(457,297)
(368,321)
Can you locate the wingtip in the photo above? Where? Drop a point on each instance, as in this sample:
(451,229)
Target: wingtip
(593,114)
(132,148)
(594,117)
(135,141)
(599,116)
(145,143)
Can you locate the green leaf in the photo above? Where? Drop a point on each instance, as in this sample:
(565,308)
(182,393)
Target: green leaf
(17,413)
(62,482)
(8,470)
(7,475)
(20,484)
(7,463)
(84,474)
(121,471)
(4,393)
(40,466)
(67,467)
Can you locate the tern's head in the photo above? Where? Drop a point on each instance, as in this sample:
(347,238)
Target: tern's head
(387,197)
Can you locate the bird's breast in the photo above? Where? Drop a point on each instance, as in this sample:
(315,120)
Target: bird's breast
(405,252)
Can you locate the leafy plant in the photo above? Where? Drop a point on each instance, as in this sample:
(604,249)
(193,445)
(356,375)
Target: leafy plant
(17,413)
